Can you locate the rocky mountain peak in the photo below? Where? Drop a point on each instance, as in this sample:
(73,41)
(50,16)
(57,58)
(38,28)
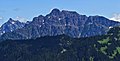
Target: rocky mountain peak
(10,26)
(63,22)
(11,20)
(55,11)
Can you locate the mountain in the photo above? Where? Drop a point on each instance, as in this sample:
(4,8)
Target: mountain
(10,26)
(64,48)
(63,22)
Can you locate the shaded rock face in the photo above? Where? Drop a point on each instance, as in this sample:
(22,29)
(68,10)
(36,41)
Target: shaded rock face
(10,26)
(63,22)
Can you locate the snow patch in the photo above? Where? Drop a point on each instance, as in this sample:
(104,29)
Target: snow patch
(3,31)
(43,20)
(40,25)
(59,19)
(48,16)
(13,22)
(65,24)
(11,30)
(110,27)
(64,50)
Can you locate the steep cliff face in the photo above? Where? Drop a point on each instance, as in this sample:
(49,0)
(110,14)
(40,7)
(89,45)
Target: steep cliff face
(63,22)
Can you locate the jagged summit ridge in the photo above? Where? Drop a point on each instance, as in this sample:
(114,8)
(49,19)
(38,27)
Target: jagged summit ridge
(63,22)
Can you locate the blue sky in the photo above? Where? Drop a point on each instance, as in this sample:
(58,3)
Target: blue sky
(29,8)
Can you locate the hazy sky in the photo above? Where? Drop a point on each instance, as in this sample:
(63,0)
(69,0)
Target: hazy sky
(29,8)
